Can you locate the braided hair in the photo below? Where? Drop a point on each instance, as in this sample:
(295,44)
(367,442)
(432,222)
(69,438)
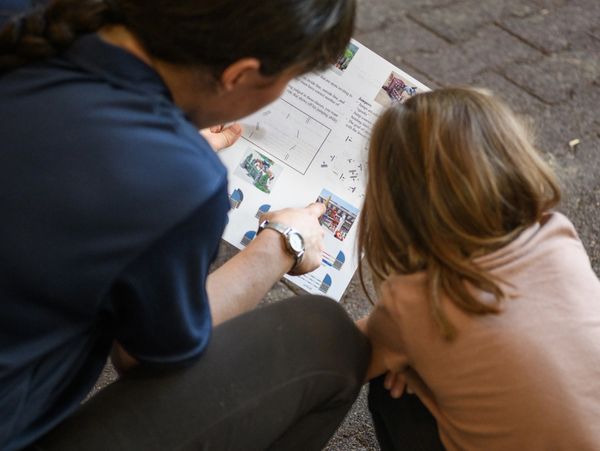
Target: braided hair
(46,32)
(211,34)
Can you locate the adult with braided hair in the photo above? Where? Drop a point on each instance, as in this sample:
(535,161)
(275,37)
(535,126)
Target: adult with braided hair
(112,210)
(9,8)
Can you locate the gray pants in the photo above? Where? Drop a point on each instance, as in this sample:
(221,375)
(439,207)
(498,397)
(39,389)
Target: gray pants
(280,377)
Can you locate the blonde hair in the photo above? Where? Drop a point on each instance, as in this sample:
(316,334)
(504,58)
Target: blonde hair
(453,175)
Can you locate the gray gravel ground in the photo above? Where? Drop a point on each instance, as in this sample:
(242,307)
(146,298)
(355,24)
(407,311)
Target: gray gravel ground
(542,56)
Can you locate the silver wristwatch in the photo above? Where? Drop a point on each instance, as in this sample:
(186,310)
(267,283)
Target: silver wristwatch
(294,243)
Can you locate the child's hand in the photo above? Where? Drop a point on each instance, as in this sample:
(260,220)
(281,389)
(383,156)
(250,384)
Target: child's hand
(395,382)
(220,137)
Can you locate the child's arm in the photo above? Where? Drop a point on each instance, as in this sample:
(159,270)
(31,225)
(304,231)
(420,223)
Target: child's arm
(376,365)
(382,331)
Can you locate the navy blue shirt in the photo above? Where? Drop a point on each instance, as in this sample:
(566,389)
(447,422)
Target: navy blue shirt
(111,211)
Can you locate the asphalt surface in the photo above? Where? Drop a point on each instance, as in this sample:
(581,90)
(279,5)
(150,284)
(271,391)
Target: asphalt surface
(542,56)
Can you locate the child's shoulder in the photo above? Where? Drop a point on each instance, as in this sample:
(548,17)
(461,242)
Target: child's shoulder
(557,222)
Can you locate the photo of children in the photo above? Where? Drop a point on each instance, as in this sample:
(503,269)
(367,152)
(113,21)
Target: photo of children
(344,61)
(259,170)
(396,89)
(339,215)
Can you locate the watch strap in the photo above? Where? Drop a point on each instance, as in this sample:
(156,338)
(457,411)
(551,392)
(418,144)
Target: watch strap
(278,227)
(284,231)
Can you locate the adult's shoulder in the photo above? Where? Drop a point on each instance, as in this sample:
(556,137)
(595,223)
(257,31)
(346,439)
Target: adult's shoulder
(157,161)
(95,134)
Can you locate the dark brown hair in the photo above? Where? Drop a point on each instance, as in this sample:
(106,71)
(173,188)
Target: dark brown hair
(210,34)
(453,175)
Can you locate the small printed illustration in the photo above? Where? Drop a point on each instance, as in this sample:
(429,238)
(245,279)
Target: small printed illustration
(334,262)
(339,260)
(344,61)
(339,215)
(248,236)
(326,284)
(262,210)
(236,198)
(396,89)
(259,170)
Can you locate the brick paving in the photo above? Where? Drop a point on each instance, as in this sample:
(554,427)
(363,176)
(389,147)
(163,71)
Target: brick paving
(541,56)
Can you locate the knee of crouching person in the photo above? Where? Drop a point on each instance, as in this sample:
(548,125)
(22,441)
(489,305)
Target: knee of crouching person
(338,342)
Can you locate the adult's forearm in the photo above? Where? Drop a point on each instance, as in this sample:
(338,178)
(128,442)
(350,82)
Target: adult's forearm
(240,284)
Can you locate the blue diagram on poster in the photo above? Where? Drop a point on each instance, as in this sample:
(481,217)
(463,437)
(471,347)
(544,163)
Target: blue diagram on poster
(339,260)
(236,198)
(262,210)
(334,262)
(326,284)
(248,236)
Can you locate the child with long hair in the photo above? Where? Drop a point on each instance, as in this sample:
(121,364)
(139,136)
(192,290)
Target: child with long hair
(488,308)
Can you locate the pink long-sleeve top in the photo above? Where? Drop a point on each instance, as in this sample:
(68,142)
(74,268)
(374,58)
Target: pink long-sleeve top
(527,378)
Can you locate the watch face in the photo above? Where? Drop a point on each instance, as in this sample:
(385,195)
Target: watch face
(296,242)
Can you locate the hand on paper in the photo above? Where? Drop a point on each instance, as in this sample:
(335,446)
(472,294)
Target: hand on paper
(306,221)
(267,260)
(220,137)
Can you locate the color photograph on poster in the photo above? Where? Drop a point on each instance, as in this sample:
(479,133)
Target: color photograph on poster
(259,170)
(395,89)
(339,215)
(344,61)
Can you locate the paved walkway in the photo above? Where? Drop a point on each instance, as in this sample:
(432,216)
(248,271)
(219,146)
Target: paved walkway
(542,56)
